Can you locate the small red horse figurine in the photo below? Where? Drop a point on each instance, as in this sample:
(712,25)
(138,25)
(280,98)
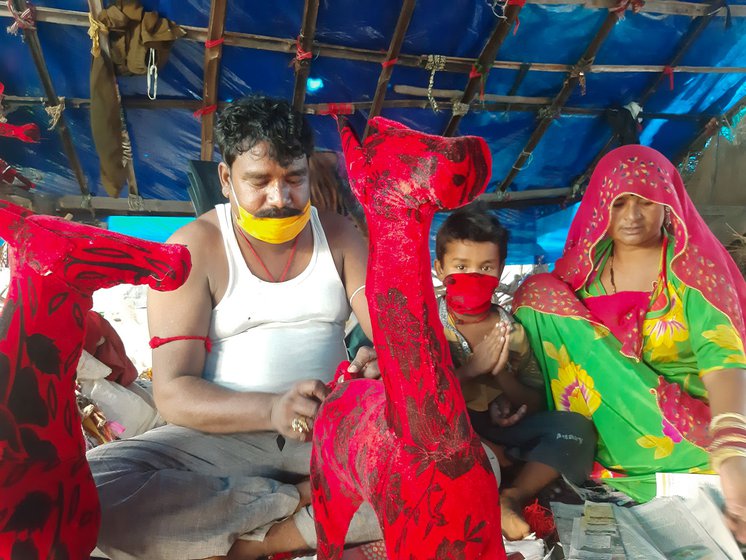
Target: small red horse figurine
(48,502)
(406,445)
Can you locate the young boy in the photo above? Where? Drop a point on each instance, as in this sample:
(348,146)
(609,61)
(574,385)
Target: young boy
(499,377)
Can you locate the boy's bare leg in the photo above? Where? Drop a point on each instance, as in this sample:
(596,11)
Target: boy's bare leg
(282,537)
(531,479)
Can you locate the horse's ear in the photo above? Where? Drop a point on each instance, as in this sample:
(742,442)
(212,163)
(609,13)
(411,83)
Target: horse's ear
(10,216)
(353,152)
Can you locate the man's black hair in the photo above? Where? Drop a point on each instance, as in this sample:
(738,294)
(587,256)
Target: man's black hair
(256,118)
(472,223)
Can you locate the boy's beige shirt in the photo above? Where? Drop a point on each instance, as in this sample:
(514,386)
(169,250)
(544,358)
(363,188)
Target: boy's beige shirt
(481,391)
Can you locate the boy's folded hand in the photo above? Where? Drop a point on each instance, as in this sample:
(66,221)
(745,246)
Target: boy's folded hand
(488,354)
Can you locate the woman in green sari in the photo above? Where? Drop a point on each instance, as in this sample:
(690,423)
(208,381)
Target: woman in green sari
(640,327)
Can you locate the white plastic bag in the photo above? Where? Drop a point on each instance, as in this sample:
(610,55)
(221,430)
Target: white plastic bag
(120,405)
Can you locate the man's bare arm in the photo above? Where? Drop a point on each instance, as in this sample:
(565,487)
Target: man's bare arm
(355,268)
(183,397)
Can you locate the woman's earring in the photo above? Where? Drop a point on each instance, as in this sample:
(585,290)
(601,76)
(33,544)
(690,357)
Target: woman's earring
(667,219)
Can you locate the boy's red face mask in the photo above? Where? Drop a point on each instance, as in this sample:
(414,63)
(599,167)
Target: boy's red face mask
(470,293)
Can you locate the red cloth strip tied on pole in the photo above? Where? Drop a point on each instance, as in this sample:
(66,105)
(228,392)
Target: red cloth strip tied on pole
(24,132)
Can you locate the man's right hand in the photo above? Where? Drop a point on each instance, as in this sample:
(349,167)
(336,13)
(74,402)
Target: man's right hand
(295,410)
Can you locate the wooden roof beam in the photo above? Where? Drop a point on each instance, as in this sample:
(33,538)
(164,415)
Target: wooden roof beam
(452,64)
(493,103)
(303,52)
(400,31)
(695,30)
(572,80)
(663,7)
(213,53)
(484,62)
(31,38)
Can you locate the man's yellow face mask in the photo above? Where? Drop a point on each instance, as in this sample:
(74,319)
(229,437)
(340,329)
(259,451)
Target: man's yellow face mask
(271,230)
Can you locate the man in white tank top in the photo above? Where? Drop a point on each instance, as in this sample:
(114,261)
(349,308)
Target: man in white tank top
(242,352)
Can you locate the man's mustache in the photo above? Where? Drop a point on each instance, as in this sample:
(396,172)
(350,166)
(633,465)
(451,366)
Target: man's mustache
(285,212)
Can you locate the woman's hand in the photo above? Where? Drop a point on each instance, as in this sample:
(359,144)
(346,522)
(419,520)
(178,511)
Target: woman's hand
(733,480)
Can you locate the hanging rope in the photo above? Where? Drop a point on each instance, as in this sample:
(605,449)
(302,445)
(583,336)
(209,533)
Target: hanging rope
(24,20)
(55,112)
(435,62)
(94,28)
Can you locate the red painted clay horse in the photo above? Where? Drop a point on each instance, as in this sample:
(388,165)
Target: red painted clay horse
(48,502)
(406,445)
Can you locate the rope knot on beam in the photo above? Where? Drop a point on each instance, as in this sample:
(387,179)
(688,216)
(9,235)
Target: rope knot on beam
(55,112)
(21,20)
(459,109)
(580,71)
(548,112)
(623,5)
(301,54)
(94,28)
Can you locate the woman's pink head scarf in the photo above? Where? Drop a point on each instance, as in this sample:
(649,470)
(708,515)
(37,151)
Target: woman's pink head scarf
(700,261)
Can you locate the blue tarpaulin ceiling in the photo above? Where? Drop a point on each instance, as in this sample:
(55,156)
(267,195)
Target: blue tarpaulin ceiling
(165,139)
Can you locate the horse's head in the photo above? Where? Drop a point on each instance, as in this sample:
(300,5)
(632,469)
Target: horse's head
(408,167)
(88,258)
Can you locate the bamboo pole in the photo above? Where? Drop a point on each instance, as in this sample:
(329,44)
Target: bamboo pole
(213,54)
(500,197)
(305,42)
(484,63)
(31,38)
(402,24)
(452,94)
(572,80)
